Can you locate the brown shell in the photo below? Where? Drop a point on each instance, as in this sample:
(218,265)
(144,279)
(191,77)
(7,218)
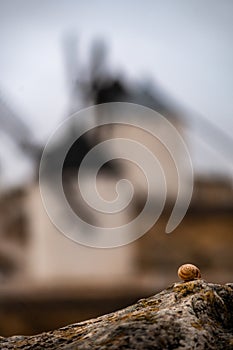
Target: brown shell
(188,272)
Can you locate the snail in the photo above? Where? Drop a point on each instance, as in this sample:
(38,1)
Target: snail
(188,272)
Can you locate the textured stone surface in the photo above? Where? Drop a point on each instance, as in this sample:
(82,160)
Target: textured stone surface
(191,315)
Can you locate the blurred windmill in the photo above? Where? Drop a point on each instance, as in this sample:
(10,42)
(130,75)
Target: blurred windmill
(83,83)
(83,80)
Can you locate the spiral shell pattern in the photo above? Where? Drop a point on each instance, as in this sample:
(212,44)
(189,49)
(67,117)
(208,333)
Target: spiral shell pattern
(188,272)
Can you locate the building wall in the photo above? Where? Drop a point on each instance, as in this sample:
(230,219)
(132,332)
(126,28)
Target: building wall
(52,256)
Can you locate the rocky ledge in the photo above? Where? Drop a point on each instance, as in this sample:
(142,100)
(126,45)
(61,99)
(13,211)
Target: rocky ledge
(190,315)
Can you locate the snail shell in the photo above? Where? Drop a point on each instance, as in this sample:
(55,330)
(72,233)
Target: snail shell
(188,272)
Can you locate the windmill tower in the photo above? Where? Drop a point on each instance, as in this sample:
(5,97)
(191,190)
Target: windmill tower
(48,245)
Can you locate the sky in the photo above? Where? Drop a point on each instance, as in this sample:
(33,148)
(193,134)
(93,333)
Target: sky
(186,46)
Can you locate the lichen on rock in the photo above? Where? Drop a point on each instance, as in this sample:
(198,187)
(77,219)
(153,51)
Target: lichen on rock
(190,315)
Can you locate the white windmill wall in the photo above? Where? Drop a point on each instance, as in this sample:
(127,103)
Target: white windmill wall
(53,257)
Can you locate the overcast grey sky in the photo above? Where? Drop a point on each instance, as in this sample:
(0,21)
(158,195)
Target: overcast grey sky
(184,45)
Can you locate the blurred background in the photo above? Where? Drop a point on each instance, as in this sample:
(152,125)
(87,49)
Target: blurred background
(58,57)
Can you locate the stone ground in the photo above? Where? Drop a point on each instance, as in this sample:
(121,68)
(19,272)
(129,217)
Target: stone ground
(190,315)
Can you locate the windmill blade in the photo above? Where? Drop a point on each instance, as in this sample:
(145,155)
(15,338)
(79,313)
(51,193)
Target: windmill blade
(98,59)
(14,127)
(70,51)
(216,138)
(12,124)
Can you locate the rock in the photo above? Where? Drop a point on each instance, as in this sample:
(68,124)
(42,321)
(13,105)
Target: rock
(190,315)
